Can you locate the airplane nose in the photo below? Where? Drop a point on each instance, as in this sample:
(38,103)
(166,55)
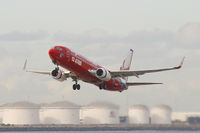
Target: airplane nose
(51,52)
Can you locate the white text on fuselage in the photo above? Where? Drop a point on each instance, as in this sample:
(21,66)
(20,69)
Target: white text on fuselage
(77,61)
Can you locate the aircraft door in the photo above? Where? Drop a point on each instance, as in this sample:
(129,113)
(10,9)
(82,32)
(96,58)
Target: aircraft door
(68,55)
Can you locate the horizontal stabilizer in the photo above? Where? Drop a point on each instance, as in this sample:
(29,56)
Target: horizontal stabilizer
(140,83)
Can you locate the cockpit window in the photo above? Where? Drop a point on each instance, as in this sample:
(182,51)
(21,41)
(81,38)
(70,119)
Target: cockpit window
(60,49)
(62,55)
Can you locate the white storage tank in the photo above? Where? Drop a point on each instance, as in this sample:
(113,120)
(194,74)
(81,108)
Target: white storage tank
(139,114)
(21,113)
(62,112)
(183,116)
(161,114)
(100,113)
(1,114)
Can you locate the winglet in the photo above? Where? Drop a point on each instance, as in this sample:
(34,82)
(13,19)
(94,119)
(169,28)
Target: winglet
(24,68)
(131,50)
(181,64)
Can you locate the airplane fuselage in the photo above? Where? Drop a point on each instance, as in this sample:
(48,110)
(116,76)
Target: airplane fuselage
(80,66)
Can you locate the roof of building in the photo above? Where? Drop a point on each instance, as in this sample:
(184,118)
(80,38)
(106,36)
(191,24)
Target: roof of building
(162,106)
(139,106)
(62,104)
(101,104)
(21,104)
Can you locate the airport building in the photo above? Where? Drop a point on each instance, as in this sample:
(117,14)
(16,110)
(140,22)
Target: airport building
(138,114)
(160,114)
(20,113)
(99,113)
(62,112)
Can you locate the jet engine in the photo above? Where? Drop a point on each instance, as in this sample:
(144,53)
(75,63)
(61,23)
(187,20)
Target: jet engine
(103,74)
(58,74)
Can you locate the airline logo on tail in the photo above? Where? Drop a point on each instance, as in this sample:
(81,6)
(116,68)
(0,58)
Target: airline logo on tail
(127,61)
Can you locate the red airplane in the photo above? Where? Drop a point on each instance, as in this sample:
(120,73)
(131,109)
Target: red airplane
(81,68)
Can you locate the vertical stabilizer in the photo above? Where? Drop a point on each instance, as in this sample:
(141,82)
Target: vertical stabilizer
(127,63)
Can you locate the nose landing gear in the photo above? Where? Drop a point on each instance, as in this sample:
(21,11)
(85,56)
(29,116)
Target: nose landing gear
(76,86)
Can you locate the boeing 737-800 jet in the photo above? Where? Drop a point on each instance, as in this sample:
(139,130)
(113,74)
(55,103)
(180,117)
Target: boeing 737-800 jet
(82,69)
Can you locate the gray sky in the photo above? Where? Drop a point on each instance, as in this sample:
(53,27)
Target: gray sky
(160,32)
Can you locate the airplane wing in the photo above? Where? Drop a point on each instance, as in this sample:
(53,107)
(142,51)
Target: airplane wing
(140,83)
(44,73)
(126,73)
(67,74)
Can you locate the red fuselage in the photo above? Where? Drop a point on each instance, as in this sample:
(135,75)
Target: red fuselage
(79,66)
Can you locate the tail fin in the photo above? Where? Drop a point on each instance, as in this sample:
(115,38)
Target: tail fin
(127,63)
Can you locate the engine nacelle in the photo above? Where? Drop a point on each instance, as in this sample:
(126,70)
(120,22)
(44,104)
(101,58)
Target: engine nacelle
(58,74)
(103,74)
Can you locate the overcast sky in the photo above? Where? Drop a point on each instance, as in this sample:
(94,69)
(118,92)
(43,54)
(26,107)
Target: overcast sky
(160,32)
